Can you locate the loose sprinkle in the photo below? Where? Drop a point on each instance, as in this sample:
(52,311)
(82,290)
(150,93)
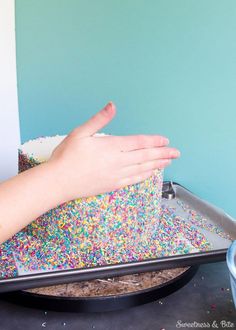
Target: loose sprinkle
(200,221)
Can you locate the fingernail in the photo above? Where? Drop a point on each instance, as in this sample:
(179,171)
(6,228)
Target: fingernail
(175,153)
(108,106)
(165,140)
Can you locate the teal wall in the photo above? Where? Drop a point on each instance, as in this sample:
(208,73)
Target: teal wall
(169,65)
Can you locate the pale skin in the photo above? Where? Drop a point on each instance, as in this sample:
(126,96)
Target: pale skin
(81,166)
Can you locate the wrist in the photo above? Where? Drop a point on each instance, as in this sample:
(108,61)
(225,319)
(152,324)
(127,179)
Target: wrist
(56,181)
(48,184)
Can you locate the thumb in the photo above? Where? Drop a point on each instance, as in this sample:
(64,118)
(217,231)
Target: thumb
(98,121)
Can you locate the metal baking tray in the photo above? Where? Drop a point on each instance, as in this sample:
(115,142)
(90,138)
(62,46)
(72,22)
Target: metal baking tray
(173,194)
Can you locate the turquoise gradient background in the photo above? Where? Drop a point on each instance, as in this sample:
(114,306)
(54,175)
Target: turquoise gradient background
(169,66)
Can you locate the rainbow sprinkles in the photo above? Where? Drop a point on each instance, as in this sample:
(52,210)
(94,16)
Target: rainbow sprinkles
(121,226)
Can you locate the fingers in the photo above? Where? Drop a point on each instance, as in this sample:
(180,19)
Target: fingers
(134,179)
(134,170)
(146,155)
(95,123)
(134,142)
(138,173)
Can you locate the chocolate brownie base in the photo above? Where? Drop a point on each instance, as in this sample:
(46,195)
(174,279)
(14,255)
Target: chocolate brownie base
(111,286)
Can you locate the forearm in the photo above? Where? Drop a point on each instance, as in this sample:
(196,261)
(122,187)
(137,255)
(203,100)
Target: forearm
(25,197)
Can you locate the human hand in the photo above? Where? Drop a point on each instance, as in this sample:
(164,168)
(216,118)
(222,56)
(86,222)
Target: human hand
(88,165)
